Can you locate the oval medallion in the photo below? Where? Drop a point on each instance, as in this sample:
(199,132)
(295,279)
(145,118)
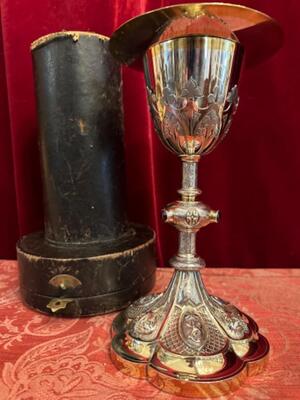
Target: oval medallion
(192,329)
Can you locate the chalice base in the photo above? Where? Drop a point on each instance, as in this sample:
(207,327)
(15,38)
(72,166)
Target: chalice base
(188,342)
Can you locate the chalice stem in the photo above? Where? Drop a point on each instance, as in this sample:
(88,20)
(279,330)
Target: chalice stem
(189,191)
(188,215)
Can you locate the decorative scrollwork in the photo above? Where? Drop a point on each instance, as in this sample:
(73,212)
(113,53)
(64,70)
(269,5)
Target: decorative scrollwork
(148,325)
(232,321)
(192,121)
(142,305)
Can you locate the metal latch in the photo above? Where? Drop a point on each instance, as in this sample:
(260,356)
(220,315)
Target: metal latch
(58,304)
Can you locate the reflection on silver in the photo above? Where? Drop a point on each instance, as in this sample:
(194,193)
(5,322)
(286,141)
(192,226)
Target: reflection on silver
(192,91)
(185,334)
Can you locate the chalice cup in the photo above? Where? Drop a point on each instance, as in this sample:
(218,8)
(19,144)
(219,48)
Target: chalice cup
(186,340)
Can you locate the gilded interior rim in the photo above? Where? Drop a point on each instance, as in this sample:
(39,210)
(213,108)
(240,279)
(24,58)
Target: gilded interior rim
(74,35)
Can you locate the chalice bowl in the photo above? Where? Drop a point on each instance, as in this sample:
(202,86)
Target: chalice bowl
(185,340)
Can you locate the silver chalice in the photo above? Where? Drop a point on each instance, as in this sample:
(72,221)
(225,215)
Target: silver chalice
(186,340)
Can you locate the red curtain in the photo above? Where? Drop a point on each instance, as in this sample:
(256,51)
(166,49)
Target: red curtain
(253,177)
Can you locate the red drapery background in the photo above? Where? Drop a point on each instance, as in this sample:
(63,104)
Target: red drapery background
(253,177)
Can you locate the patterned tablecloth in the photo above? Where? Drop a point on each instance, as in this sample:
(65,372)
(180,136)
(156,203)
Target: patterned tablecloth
(44,358)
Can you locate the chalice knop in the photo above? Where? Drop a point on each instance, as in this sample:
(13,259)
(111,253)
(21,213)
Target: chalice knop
(186,340)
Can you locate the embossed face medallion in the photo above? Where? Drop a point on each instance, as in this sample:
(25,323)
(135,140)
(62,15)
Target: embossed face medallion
(192,329)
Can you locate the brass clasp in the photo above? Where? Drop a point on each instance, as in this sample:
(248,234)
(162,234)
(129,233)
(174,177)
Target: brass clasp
(58,304)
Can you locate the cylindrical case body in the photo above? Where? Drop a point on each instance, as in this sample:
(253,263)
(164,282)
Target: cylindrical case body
(89,260)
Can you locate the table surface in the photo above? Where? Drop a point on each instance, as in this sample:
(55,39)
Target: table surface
(46,358)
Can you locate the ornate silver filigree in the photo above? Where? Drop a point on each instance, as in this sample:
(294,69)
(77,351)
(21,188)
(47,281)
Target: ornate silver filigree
(231,320)
(142,305)
(147,326)
(192,121)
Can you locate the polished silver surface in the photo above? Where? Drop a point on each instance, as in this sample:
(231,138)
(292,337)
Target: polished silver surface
(186,336)
(192,91)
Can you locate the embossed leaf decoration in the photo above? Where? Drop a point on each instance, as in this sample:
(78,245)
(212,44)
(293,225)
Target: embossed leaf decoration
(191,89)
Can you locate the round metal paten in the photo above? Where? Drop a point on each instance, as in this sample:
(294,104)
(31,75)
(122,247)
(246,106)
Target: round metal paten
(260,35)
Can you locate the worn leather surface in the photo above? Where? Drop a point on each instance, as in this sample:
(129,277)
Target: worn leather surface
(87,236)
(78,90)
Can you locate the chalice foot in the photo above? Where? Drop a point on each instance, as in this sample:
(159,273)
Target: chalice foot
(187,342)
